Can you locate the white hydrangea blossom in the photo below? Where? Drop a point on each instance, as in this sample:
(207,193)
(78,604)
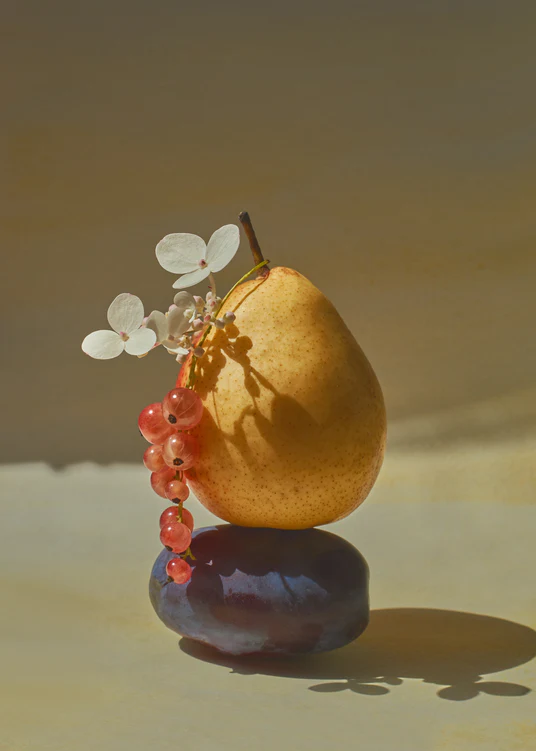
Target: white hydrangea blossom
(187,317)
(171,327)
(182,253)
(125,316)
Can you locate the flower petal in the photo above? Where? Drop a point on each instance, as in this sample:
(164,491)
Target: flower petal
(180,252)
(125,313)
(178,322)
(177,350)
(158,323)
(184,300)
(103,345)
(140,342)
(222,246)
(188,280)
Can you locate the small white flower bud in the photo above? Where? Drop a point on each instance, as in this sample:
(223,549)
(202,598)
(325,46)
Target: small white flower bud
(172,307)
(207,318)
(219,323)
(199,302)
(229,317)
(198,324)
(181,358)
(199,351)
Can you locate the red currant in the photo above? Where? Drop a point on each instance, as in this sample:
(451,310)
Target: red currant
(179,570)
(160,479)
(176,536)
(177,491)
(153,459)
(181,451)
(152,424)
(188,519)
(182,408)
(169,516)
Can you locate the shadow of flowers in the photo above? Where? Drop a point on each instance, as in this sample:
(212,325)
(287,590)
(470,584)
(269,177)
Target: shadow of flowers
(449,649)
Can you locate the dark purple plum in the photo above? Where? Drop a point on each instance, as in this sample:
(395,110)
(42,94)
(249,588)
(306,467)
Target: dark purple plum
(266,591)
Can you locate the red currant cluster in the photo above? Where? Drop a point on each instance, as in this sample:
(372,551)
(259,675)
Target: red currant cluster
(172,452)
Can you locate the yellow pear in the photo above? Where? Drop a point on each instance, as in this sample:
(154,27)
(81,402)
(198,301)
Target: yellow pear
(294,426)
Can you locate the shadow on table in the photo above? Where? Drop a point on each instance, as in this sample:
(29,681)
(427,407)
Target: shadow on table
(447,648)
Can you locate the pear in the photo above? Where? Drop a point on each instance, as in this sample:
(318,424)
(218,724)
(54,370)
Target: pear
(294,426)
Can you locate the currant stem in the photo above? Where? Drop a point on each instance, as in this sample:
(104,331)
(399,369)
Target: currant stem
(252,237)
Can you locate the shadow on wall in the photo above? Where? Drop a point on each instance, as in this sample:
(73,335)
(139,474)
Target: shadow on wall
(508,418)
(447,648)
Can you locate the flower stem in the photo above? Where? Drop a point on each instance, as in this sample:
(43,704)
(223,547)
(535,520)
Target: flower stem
(191,375)
(212,281)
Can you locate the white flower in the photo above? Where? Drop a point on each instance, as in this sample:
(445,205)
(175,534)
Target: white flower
(171,327)
(125,316)
(188,255)
(212,302)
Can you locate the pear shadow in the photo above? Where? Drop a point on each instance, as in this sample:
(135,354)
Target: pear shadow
(446,648)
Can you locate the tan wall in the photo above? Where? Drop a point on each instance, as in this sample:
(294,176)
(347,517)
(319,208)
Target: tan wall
(386,150)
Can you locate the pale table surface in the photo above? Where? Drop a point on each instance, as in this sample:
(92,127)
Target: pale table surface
(86,664)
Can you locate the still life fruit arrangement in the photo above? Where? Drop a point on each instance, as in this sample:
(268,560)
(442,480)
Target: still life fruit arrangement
(277,425)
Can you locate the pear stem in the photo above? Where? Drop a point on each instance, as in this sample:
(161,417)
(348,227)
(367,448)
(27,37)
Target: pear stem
(253,242)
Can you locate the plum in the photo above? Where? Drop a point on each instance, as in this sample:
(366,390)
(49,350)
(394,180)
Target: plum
(260,590)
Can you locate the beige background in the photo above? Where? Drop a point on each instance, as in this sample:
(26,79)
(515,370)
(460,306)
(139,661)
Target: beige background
(387,151)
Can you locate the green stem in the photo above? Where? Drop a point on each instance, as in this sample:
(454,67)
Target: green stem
(191,375)
(253,270)
(212,281)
